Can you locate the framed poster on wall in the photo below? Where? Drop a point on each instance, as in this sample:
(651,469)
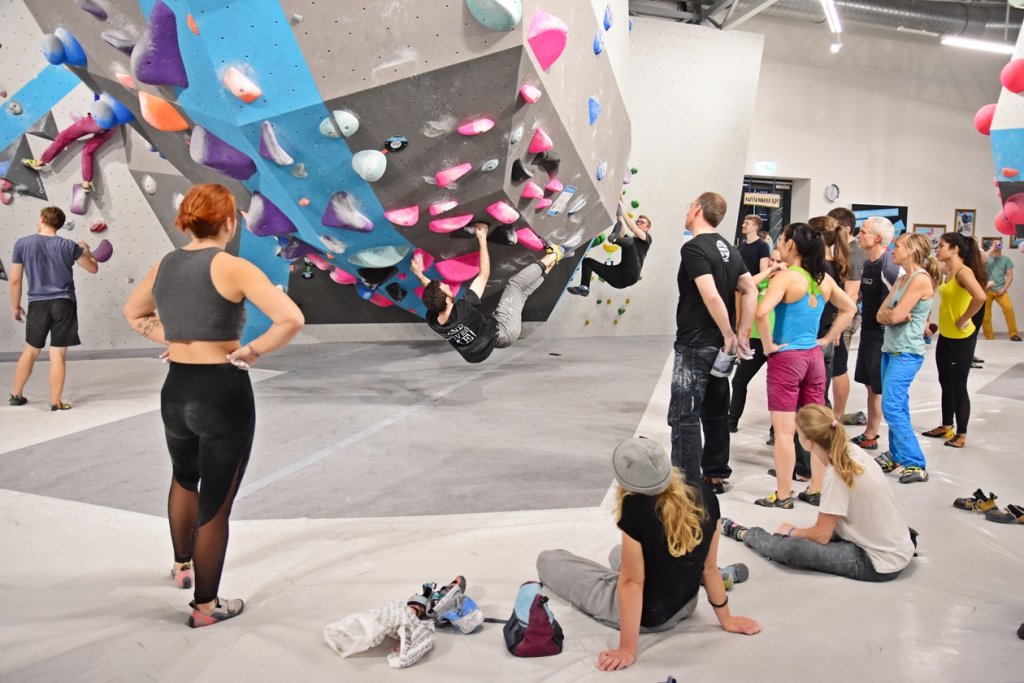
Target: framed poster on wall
(896,214)
(963,221)
(986,241)
(932,231)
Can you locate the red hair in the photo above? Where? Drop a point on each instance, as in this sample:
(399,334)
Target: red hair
(205,210)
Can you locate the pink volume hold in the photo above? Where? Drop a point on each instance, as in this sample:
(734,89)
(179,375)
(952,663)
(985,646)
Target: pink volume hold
(451,224)
(406,217)
(437,208)
(450,175)
(532,191)
(541,142)
(502,212)
(530,93)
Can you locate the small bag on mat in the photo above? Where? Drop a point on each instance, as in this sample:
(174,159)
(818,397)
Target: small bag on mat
(532,630)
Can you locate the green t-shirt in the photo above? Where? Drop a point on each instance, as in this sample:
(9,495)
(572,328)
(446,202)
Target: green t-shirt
(997,267)
(761,289)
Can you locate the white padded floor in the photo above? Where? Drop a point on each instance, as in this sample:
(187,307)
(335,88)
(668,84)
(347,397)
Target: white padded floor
(85,596)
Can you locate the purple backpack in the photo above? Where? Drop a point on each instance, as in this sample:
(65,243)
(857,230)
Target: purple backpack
(532,630)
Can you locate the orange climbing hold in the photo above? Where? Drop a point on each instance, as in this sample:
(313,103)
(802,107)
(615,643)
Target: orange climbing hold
(304,202)
(160,113)
(192,25)
(241,86)
(1010,172)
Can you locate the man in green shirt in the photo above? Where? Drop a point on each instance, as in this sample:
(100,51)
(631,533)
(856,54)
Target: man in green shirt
(1000,276)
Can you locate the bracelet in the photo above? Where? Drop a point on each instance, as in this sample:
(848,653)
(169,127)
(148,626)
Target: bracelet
(255,354)
(726,602)
(788,533)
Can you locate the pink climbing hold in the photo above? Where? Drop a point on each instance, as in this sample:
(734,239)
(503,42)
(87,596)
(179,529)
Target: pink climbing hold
(542,204)
(547,37)
(529,239)
(1012,76)
(1004,225)
(530,93)
(381,301)
(532,191)
(437,208)
(342,277)
(476,126)
(406,217)
(1009,173)
(502,212)
(541,142)
(460,268)
(241,86)
(79,200)
(555,185)
(450,175)
(450,224)
(318,261)
(983,119)
(1013,209)
(424,256)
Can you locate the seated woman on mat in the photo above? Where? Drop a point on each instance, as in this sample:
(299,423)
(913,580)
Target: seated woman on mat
(859,533)
(669,548)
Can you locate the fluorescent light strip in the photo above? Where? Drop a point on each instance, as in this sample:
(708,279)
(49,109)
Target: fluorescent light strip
(983,45)
(831,15)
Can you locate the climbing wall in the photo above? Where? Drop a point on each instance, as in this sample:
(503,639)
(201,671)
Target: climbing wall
(354,137)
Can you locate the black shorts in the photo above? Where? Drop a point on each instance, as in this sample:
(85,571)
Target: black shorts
(57,318)
(869,360)
(840,359)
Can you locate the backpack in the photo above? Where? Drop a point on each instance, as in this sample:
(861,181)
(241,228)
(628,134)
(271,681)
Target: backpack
(532,630)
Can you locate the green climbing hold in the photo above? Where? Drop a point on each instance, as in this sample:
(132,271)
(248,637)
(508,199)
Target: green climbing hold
(597,241)
(622,310)
(600,301)
(635,204)
(634,170)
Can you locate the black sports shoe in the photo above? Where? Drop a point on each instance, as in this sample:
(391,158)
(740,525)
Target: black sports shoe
(17,400)
(582,290)
(807,496)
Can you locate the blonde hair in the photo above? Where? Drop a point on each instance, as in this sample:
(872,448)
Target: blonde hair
(680,511)
(921,247)
(820,426)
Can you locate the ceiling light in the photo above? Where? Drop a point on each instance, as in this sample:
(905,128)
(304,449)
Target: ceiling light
(836,47)
(983,45)
(831,15)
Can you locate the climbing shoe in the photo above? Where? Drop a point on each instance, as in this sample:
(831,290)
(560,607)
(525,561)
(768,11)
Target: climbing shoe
(222,611)
(86,186)
(979,502)
(556,250)
(34,164)
(858,418)
(886,462)
(582,290)
(866,442)
(913,474)
(60,406)
(733,574)
(1009,515)
(773,501)
(940,432)
(958,441)
(17,400)
(184,575)
(809,496)
(732,529)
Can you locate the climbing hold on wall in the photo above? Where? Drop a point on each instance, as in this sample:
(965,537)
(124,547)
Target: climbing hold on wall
(266,219)
(586,323)
(1012,76)
(600,301)
(156,58)
(240,85)
(119,40)
(1004,225)
(149,184)
(983,118)
(610,247)
(79,200)
(549,161)
(303,202)
(299,170)
(622,310)
(74,54)
(192,24)
(542,204)
(161,114)
(450,175)
(93,8)
(318,261)
(406,217)
(502,212)
(497,15)
(599,43)
(380,257)
(342,277)
(270,148)
(14,108)
(97,227)
(1008,173)
(124,79)
(529,239)
(554,185)
(122,114)
(437,208)
(635,204)
(541,141)
(608,16)
(296,19)
(450,224)
(597,241)
(209,150)
(333,244)
(460,268)
(594,108)
(634,170)
(424,256)
(503,234)
(395,291)
(293,249)
(341,212)
(52,49)
(345,121)
(519,172)
(370,165)
(602,170)
(489,165)
(577,205)
(476,126)
(1013,208)
(547,37)
(530,93)
(532,190)
(103,251)
(627,301)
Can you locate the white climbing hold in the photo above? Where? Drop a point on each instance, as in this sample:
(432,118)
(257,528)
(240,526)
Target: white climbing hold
(333,244)
(489,165)
(270,148)
(340,123)
(497,15)
(177,200)
(437,208)
(370,165)
(516,136)
(299,170)
(149,184)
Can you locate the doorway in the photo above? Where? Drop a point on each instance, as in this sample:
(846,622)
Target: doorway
(773,219)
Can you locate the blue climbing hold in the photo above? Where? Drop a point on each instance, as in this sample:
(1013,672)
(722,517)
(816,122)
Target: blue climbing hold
(74,54)
(630,25)
(122,114)
(602,170)
(608,15)
(52,49)
(595,109)
(599,43)
(103,114)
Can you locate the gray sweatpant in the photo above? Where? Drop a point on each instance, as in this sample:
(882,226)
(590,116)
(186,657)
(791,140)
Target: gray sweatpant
(509,314)
(592,588)
(838,557)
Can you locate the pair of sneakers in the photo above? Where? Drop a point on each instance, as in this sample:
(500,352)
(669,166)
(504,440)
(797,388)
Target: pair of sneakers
(223,609)
(911,474)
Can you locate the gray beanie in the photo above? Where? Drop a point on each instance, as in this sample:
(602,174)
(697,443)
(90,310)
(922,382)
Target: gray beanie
(642,466)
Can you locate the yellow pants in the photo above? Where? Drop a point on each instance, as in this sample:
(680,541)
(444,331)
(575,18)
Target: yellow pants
(1004,303)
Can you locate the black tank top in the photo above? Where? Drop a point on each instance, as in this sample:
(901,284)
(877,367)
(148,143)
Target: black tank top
(190,307)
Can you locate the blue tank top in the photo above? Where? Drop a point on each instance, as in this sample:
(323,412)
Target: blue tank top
(908,337)
(796,324)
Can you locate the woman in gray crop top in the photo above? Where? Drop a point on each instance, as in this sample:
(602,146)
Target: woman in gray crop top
(193,302)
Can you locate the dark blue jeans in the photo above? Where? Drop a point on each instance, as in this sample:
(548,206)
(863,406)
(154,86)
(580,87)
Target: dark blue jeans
(699,403)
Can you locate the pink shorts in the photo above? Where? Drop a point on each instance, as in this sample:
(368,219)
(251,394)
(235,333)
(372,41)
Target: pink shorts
(796,379)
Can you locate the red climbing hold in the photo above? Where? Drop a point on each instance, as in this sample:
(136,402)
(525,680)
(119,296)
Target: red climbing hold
(542,204)
(983,119)
(1009,173)
(342,277)
(1012,76)
(555,185)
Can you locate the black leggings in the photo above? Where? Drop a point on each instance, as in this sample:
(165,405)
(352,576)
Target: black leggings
(746,371)
(953,359)
(625,274)
(209,419)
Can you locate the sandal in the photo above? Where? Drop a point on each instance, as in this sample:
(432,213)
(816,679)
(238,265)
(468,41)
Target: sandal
(958,441)
(979,502)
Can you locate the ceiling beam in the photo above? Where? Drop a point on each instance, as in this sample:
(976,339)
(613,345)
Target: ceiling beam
(749,13)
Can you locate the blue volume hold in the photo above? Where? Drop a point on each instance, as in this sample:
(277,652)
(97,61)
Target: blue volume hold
(595,109)
(599,43)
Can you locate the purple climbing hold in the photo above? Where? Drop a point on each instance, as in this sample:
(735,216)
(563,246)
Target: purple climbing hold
(271,149)
(209,150)
(79,200)
(293,249)
(341,212)
(156,58)
(103,251)
(93,8)
(265,219)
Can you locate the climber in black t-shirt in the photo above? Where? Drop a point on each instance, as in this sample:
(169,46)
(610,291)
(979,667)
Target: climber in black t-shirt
(634,245)
(472,332)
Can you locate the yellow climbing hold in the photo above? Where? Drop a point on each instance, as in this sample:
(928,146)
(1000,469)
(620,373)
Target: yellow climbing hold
(615,322)
(610,248)
(627,301)
(586,322)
